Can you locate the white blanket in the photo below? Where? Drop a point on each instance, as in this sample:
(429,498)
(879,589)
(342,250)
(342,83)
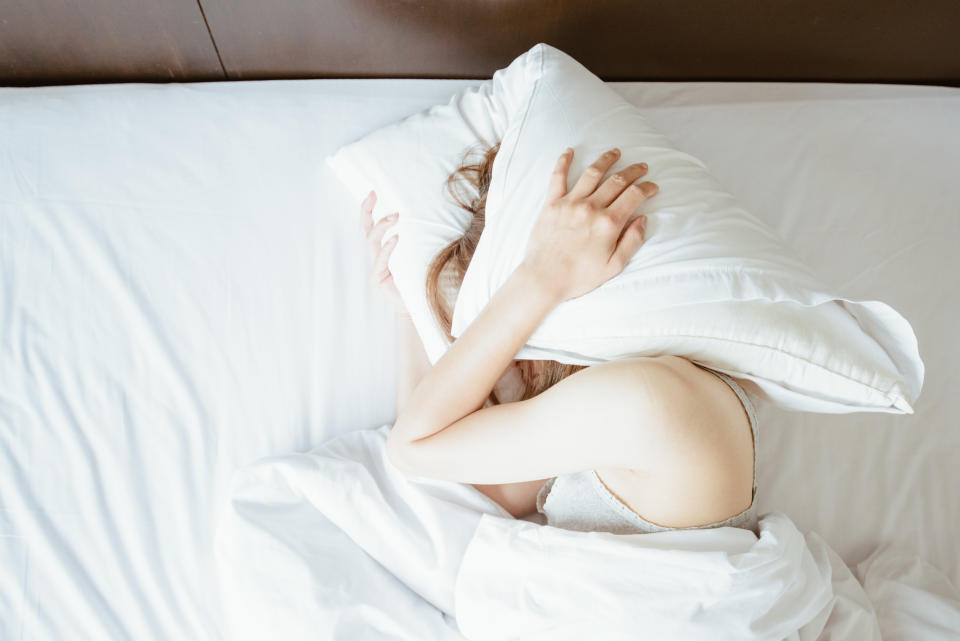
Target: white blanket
(338,544)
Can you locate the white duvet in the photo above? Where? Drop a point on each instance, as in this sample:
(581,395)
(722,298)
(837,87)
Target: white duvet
(339,544)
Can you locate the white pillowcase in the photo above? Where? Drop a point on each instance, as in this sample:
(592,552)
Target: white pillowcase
(711,282)
(407,164)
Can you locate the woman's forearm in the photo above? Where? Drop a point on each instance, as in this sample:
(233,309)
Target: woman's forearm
(412,361)
(461,380)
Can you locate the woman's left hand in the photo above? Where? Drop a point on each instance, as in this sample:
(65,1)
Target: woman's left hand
(379,252)
(582,238)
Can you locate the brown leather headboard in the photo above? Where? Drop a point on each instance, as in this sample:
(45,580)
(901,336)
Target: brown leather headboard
(55,42)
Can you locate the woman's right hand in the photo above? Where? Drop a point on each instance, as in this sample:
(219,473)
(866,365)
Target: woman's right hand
(379,252)
(585,236)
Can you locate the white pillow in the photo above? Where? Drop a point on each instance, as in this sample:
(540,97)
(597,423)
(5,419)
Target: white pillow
(407,164)
(711,282)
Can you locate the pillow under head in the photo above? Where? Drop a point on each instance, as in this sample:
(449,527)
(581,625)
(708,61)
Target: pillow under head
(711,282)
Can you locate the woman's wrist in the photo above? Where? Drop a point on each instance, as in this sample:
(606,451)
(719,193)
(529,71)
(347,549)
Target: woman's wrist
(412,362)
(537,282)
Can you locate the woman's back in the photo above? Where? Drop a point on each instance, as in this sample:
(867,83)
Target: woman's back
(611,500)
(706,483)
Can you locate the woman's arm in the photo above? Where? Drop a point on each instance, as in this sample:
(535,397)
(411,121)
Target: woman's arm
(461,380)
(581,239)
(412,361)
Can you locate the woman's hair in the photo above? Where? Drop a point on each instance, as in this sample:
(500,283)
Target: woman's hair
(451,262)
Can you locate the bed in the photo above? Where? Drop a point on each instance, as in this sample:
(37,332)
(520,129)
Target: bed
(183,292)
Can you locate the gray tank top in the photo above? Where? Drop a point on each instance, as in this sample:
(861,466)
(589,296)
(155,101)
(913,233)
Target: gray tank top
(582,502)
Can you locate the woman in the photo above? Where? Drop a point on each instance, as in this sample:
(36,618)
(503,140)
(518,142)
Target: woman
(642,444)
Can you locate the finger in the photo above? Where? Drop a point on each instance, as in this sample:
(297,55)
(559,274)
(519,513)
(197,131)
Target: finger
(380,268)
(366,212)
(375,235)
(558,179)
(616,184)
(593,174)
(631,198)
(630,240)
(389,287)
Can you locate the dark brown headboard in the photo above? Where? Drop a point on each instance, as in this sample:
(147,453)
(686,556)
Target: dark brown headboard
(81,41)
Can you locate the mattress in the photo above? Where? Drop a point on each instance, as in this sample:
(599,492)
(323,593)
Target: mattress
(184,291)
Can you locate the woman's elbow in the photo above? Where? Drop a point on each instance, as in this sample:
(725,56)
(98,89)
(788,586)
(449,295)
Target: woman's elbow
(398,452)
(415,456)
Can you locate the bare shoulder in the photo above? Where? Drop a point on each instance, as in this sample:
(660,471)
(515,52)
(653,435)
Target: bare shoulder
(669,365)
(675,401)
(667,383)
(668,374)
(703,468)
(684,408)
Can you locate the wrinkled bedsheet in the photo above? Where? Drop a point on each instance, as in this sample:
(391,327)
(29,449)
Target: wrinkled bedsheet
(339,544)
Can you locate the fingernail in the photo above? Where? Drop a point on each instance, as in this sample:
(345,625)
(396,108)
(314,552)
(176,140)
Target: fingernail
(644,165)
(394,215)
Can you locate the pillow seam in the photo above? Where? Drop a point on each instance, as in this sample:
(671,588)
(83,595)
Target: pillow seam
(778,350)
(559,103)
(526,110)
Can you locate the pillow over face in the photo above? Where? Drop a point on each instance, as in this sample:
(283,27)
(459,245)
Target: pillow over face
(711,282)
(407,163)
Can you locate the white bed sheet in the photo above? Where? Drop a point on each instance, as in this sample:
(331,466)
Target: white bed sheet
(183,291)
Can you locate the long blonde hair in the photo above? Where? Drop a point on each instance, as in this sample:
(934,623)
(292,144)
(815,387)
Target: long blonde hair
(536,375)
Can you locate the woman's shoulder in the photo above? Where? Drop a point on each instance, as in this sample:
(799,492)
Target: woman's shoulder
(673,390)
(700,430)
(661,371)
(666,367)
